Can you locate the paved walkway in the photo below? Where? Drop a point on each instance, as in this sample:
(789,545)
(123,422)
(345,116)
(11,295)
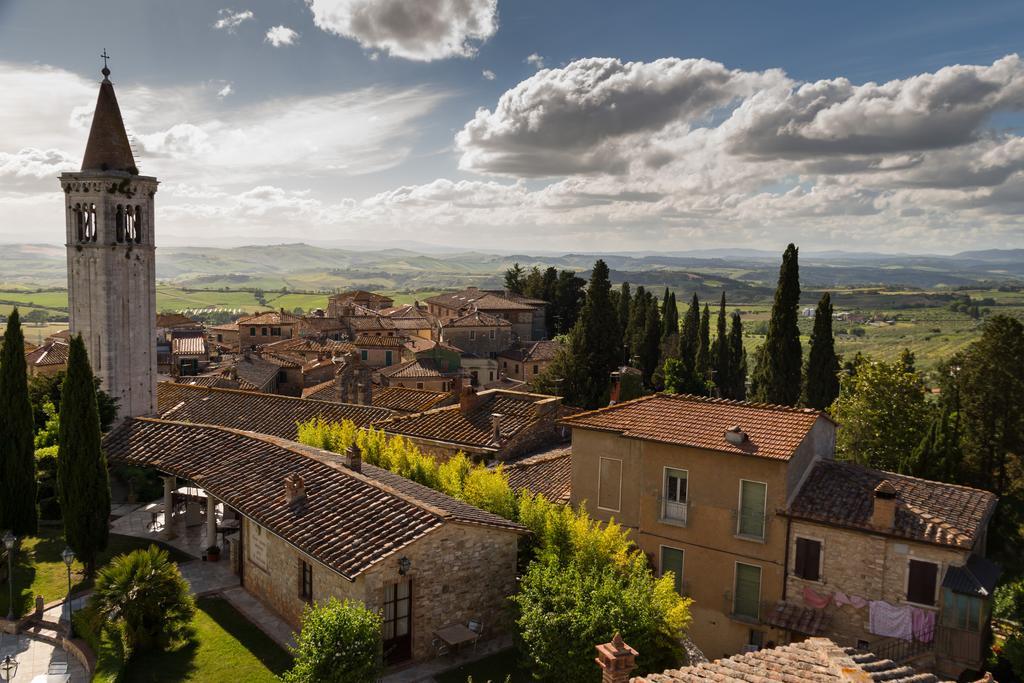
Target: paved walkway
(424,672)
(256,612)
(40,661)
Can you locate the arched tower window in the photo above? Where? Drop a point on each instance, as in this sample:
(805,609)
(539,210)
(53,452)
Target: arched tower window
(79,222)
(138,223)
(89,223)
(119,223)
(129,223)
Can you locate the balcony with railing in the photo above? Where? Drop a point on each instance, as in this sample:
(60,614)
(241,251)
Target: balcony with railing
(672,511)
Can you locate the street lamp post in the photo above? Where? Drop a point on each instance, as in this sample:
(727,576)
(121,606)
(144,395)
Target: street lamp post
(9,540)
(8,667)
(68,556)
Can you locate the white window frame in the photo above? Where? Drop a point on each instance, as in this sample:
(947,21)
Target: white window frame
(739,512)
(821,557)
(472,335)
(664,496)
(760,584)
(661,558)
(619,494)
(938,583)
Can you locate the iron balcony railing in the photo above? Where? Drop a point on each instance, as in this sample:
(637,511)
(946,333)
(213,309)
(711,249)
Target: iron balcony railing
(673,511)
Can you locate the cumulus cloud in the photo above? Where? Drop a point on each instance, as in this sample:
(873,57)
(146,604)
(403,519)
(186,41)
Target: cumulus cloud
(488,75)
(35,163)
(230,19)
(423,30)
(536,61)
(225,91)
(281,35)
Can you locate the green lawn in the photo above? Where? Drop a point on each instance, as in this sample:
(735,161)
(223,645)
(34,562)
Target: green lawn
(228,649)
(496,668)
(39,569)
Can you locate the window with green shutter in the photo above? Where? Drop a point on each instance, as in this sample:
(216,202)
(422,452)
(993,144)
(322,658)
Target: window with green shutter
(672,561)
(751,509)
(747,595)
(961,611)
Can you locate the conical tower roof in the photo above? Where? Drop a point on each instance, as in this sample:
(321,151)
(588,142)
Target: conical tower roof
(108,148)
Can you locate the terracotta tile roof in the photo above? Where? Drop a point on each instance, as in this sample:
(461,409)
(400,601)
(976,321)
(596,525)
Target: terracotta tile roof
(269,318)
(842,493)
(405,312)
(54,352)
(188,346)
(64,335)
(480,298)
(533,351)
(505,383)
(519,411)
(364,323)
(311,347)
(406,400)
(477,319)
(325,391)
(255,412)
(412,323)
(282,360)
(418,367)
(362,295)
(548,473)
(379,342)
(176,320)
(699,422)
(815,660)
(226,327)
(349,521)
(790,616)
(318,363)
(211,382)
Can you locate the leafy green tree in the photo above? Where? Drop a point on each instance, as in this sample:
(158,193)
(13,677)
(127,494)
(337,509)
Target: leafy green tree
(144,593)
(534,284)
(720,353)
(514,280)
(550,288)
(83,483)
(882,415)
(991,387)
(821,385)
(776,377)
(737,388)
(564,609)
(340,642)
(17,452)
(45,389)
(703,363)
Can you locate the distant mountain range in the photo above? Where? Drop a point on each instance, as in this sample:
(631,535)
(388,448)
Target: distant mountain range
(743,271)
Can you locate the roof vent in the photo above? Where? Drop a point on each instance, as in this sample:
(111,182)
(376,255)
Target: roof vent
(735,435)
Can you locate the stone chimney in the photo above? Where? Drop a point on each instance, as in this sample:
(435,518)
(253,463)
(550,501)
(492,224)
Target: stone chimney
(496,419)
(616,659)
(883,512)
(354,458)
(616,388)
(457,386)
(468,400)
(294,490)
(735,435)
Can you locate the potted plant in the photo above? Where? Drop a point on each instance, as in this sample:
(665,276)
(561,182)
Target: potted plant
(213,553)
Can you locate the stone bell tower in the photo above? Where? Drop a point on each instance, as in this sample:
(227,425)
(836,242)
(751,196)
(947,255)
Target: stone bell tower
(111,260)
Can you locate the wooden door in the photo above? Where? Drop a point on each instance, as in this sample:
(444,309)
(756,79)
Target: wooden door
(398,622)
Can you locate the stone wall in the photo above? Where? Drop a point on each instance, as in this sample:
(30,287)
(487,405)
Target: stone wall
(871,566)
(458,572)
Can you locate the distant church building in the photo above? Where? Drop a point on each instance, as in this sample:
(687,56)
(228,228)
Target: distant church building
(111,260)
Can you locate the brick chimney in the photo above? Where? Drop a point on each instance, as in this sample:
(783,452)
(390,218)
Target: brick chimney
(616,659)
(457,386)
(616,388)
(883,511)
(496,419)
(468,400)
(354,458)
(294,489)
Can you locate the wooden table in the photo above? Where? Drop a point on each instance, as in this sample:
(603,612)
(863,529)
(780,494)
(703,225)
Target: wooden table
(456,634)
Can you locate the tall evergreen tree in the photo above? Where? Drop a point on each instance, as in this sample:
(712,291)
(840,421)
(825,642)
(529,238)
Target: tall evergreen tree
(515,283)
(637,322)
(737,361)
(666,315)
(689,336)
(594,346)
(704,345)
(720,355)
(674,312)
(821,383)
(568,301)
(82,481)
(550,292)
(779,366)
(939,456)
(625,303)
(533,285)
(17,457)
(650,345)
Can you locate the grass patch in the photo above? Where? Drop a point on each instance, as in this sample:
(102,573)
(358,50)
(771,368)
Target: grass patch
(495,668)
(39,569)
(228,648)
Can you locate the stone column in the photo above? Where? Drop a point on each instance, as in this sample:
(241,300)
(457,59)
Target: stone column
(170,483)
(211,520)
(616,659)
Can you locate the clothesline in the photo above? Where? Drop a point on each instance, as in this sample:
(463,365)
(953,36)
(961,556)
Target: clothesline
(891,621)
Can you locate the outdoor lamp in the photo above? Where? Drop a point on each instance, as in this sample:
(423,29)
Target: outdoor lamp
(404,563)
(9,667)
(9,540)
(68,555)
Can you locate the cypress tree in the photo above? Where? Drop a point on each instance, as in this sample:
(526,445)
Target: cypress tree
(704,345)
(821,385)
(17,456)
(666,315)
(594,343)
(650,347)
(625,302)
(737,361)
(82,480)
(939,456)
(689,337)
(637,322)
(721,351)
(674,312)
(779,364)
(550,292)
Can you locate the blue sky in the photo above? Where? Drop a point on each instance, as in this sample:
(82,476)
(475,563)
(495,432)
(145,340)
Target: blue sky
(344,121)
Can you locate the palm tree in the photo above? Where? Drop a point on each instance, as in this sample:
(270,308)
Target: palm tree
(144,593)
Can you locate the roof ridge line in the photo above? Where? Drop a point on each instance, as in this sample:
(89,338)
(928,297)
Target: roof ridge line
(260,393)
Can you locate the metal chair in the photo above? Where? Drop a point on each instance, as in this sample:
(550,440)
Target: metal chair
(440,648)
(477,627)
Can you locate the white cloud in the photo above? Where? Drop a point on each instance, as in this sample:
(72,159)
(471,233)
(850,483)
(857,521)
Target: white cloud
(281,35)
(536,61)
(35,163)
(225,91)
(423,30)
(230,20)
(488,75)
